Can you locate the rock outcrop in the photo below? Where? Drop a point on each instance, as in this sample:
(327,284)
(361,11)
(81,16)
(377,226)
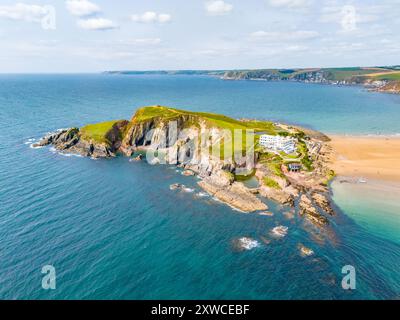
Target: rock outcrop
(221,186)
(322,201)
(307,209)
(69,140)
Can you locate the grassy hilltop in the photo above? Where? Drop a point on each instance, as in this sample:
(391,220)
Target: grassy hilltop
(99,131)
(102,133)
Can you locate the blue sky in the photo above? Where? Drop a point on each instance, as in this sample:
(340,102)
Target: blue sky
(97,35)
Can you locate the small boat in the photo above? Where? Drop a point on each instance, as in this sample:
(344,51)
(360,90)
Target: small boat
(361,180)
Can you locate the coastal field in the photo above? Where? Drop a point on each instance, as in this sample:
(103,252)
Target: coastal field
(373,157)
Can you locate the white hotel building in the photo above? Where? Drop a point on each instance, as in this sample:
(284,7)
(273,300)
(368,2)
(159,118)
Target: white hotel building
(278,143)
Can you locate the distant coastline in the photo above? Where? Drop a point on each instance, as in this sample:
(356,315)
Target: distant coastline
(380,79)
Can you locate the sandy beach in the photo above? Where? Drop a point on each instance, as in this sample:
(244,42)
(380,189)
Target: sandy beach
(370,157)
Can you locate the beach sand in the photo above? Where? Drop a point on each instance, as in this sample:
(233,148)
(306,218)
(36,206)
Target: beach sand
(369,157)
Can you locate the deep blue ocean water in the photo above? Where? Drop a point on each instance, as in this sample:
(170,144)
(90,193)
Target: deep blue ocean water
(114,230)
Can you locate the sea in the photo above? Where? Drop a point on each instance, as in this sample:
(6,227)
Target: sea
(113,229)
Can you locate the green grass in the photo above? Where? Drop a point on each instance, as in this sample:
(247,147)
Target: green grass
(273,163)
(147,113)
(271,183)
(275,167)
(389,76)
(213,119)
(331,174)
(303,151)
(339,74)
(97,132)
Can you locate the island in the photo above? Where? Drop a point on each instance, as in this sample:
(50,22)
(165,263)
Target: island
(289,164)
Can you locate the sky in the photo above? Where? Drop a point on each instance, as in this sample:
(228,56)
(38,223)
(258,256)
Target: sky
(57,36)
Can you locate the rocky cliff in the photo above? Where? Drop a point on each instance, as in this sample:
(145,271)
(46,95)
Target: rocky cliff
(185,138)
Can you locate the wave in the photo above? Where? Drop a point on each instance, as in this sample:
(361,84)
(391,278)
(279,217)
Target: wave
(64,154)
(69,154)
(246,243)
(279,231)
(30,141)
(366,135)
(32,146)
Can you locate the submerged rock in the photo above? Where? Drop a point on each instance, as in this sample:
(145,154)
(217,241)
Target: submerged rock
(288,215)
(188,173)
(175,186)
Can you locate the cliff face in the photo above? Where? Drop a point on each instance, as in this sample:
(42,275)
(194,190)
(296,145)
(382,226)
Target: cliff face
(390,87)
(155,132)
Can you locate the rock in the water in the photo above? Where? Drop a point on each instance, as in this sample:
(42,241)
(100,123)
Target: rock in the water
(139,157)
(175,186)
(304,251)
(188,173)
(277,195)
(322,201)
(69,140)
(308,210)
(235,194)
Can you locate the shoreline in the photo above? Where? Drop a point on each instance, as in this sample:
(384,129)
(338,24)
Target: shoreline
(372,157)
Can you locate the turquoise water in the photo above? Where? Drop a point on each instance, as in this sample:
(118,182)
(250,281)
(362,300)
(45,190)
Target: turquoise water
(373,205)
(113,229)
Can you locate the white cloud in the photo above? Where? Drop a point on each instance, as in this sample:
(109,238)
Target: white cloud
(151,17)
(290,3)
(284,36)
(296,48)
(96,24)
(142,41)
(82,8)
(163,18)
(22,11)
(218,7)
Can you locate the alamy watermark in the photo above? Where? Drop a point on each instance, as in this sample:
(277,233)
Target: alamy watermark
(190,147)
(349,280)
(49,279)
(349,18)
(48,21)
